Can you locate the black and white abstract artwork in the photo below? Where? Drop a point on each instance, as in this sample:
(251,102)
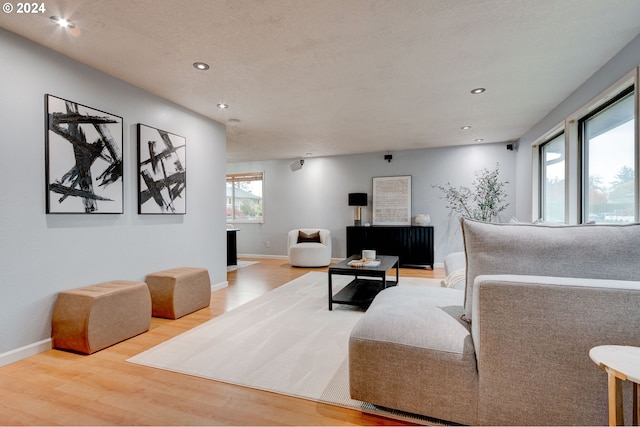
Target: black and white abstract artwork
(83,159)
(162,174)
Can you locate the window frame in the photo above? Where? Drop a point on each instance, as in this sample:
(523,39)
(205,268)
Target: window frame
(235,178)
(541,173)
(583,171)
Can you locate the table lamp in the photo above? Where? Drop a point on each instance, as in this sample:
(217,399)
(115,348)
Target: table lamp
(358,200)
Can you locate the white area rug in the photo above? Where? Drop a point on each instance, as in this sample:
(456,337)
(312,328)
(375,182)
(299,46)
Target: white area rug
(241,264)
(286,341)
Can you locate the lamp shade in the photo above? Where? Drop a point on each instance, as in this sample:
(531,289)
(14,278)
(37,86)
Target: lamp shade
(357,199)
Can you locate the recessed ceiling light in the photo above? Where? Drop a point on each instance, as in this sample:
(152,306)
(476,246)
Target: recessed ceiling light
(200,66)
(465,127)
(64,23)
(233,121)
(308,154)
(479,140)
(223,106)
(477,90)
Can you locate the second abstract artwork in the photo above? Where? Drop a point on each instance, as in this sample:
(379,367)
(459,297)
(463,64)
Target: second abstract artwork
(162,172)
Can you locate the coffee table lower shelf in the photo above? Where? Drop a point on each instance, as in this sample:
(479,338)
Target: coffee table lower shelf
(360,292)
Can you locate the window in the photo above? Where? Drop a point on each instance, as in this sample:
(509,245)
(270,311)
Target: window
(608,161)
(552,180)
(244,197)
(588,164)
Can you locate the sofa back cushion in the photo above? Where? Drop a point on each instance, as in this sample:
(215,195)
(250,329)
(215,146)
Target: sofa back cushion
(581,251)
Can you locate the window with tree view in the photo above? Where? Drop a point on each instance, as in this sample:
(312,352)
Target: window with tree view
(552,186)
(608,147)
(244,197)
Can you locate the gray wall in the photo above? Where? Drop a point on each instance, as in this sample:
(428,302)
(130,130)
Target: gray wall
(316,195)
(41,254)
(621,64)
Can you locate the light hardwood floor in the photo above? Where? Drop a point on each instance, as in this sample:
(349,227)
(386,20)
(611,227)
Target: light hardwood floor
(62,388)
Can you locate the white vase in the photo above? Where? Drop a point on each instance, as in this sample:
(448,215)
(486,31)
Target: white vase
(423,219)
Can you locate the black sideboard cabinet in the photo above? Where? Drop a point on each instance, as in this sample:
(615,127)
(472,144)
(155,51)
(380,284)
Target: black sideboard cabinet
(412,244)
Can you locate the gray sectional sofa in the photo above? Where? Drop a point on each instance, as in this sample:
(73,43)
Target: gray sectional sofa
(512,348)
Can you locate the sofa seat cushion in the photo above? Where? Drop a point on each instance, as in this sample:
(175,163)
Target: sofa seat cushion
(412,338)
(309,255)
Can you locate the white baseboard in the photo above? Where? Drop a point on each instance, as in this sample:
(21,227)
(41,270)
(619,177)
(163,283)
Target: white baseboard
(219,286)
(284,257)
(26,351)
(262,256)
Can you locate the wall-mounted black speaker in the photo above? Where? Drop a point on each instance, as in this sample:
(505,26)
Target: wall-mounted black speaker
(510,147)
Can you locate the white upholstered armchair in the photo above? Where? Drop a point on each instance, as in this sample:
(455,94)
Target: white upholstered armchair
(309,247)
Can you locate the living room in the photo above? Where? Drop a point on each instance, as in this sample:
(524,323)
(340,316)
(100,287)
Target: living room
(44,254)
(317,194)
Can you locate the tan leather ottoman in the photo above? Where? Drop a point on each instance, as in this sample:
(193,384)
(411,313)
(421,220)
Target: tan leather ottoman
(94,317)
(179,291)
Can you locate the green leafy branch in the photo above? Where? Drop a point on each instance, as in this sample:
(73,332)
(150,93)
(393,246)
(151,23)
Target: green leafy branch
(484,202)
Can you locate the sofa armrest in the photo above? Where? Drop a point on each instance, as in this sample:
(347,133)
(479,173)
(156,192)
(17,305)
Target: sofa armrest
(533,335)
(325,238)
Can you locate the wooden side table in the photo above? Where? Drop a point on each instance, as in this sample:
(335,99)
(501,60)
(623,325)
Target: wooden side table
(622,363)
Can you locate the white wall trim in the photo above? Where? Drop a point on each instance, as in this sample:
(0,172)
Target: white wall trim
(262,256)
(26,351)
(218,286)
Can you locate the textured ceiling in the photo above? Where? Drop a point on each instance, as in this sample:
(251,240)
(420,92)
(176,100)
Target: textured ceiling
(332,77)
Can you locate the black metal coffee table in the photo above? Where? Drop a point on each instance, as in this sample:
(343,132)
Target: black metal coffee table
(361,292)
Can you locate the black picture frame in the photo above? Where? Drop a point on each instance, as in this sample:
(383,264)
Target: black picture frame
(83,159)
(162,173)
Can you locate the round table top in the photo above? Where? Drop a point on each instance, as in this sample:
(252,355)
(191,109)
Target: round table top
(623,359)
